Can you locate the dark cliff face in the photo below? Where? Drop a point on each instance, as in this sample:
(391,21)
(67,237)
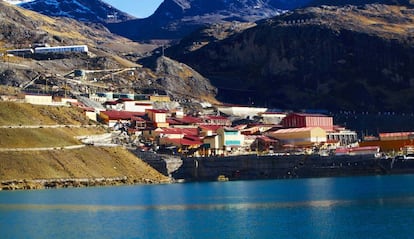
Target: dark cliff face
(289,4)
(360,2)
(182,8)
(349,58)
(176,18)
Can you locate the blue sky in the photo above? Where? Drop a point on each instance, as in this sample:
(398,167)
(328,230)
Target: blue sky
(137,8)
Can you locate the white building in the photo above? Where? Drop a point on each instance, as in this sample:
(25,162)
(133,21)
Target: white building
(345,137)
(241,111)
(38,99)
(137,106)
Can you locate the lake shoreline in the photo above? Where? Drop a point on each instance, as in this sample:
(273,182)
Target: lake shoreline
(38,184)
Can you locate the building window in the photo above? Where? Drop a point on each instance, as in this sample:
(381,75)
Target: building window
(232,142)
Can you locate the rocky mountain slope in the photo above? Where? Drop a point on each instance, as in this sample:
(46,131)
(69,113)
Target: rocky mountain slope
(178,78)
(172,20)
(359,2)
(95,11)
(177,18)
(355,58)
(22,28)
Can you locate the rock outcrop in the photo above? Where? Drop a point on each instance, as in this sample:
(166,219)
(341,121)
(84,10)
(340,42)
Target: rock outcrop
(176,18)
(356,58)
(181,80)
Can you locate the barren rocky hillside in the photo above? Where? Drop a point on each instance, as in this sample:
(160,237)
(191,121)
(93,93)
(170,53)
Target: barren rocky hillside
(20,28)
(323,57)
(175,19)
(34,154)
(84,10)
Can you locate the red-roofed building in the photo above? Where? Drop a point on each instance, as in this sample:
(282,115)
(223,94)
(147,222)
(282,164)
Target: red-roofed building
(173,121)
(113,117)
(208,130)
(88,111)
(265,143)
(160,134)
(302,120)
(250,130)
(184,142)
(111,105)
(186,139)
(185,120)
(178,132)
(138,122)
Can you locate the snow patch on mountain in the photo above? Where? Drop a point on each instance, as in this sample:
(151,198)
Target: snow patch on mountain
(17,2)
(84,10)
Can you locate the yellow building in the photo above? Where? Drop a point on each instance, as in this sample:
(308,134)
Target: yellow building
(158,117)
(300,136)
(160,98)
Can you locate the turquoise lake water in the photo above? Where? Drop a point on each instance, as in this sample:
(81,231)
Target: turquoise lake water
(350,207)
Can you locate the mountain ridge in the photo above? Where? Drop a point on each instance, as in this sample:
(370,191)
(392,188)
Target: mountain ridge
(22,28)
(310,57)
(176,18)
(95,11)
(360,2)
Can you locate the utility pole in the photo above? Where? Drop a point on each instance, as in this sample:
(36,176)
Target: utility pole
(45,85)
(65,89)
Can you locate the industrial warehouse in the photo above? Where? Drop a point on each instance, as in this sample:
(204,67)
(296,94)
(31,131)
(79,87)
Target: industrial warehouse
(39,49)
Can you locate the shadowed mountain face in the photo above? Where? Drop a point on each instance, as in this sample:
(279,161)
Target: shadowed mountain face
(177,18)
(353,58)
(95,11)
(360,2)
